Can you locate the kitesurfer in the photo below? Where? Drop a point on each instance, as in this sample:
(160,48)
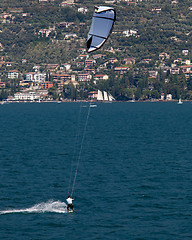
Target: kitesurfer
(70,203)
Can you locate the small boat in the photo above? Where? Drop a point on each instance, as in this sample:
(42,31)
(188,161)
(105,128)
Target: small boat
(180,101)
(93,105)
(3,102)
(133,98)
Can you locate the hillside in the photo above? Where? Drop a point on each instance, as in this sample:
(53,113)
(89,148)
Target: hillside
(166,30)
(40,32)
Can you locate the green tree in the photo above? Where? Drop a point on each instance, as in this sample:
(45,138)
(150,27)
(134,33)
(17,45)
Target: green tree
(3,95)
(189,82)
(53,93)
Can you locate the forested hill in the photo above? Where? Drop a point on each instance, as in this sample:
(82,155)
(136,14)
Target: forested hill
(161,26)
(146,53)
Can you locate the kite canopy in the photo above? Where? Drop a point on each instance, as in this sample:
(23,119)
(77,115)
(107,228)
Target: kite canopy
(101,27)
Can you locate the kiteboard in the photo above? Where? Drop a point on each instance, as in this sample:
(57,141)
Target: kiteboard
(70,211)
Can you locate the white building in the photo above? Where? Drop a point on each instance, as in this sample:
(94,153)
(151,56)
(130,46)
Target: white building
(130,32)
(162,97)
(84,77)
(27,96)
(65,66)
(12,74)
(83,10)
(169,97)
(36,77)
(70,35)
(67,3)
(185,52)
(101,77)
(186,61)
(45,32)
(1,47)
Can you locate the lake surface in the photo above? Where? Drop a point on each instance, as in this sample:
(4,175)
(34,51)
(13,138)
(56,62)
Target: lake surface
(134,178)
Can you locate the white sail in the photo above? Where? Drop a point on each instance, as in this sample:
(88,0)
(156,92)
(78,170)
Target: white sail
(180,101)
(99,96)
(111,98)
(133,99)
(105,96)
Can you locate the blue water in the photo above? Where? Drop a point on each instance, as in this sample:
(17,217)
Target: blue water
(134,179)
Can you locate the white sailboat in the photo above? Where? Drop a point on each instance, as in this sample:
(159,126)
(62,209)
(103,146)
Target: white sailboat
(133,98)
(93,105)
(104,96)
(180,101)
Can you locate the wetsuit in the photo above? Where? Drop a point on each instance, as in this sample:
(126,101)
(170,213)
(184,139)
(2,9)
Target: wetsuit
(70,203)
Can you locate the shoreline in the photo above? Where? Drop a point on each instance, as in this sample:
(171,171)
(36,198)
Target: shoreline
(85,101)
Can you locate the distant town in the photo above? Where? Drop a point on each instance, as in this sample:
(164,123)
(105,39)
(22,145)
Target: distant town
(37,85)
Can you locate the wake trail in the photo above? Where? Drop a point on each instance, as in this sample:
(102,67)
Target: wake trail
(44,207)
